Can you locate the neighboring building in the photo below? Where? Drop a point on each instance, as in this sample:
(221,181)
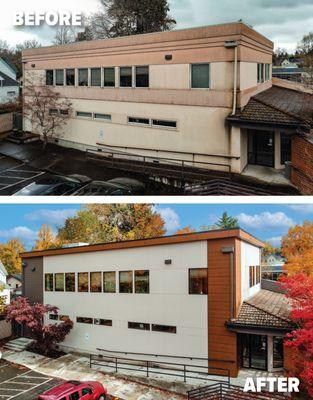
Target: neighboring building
(171,296)
(15,284)
(272,267)
(9,87)
(4,288)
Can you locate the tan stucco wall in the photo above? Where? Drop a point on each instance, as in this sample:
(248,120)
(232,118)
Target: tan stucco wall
(175,76)
(248,75)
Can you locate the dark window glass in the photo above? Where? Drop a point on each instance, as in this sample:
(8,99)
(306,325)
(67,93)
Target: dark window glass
(267,72)
(103,116)
(83,114)
(126,79)
(86,391)
(64,318)
(143,121)
(95,282)
(251,276)
(200,76)
(109,77)
(83,77)
(198,281)
(49,77)
(168,124)
(278,352)
(109,282)
(70,282)
(164,328)
(53,111)
(139,325)
(126,282)
(84,320)
(49,282)
(59,77)
(64,112)
(74,396)
(142,281)
(285,148)
(83,282)
(142,76)
(70,77)
(95,76)
(53,317)
(257,274)
(260,73)
(104,322)
(59,282)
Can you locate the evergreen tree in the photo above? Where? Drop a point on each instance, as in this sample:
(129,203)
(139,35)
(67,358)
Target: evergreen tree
(227,222)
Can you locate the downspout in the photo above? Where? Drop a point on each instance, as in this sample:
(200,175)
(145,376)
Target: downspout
(235,79)
(231,252)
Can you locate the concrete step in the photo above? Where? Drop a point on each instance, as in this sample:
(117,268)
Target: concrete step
(18,345)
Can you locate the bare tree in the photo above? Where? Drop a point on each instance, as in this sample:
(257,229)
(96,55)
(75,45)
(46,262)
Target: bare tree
(47,110)
(64,35)
(305,48)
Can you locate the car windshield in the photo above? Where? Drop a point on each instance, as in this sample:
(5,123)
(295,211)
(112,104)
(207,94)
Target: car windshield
(51,185)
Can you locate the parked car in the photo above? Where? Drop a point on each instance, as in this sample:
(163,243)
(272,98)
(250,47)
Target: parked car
(54,185)
(73,390)
(113,187)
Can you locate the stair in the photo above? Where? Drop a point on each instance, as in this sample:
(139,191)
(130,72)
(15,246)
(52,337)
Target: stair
(18,345)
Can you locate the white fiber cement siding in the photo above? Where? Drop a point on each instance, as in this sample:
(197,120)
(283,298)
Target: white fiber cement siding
(168,302)
(250,255)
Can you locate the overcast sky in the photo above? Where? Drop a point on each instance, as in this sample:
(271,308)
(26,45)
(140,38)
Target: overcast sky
(283,21)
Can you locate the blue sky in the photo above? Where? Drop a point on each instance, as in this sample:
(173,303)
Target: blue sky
(268,222)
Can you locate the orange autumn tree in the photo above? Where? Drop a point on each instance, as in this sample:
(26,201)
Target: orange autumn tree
(46,239)
(297,248)
(184,231)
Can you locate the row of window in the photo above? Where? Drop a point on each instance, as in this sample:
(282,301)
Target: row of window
(254,275)
(128,282)
(264,72)
(131,77)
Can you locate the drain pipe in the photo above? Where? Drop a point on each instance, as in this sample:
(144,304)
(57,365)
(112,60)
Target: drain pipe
(231,251)
(233,44)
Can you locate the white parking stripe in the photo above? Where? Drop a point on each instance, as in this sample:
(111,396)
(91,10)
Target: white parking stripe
(33,387)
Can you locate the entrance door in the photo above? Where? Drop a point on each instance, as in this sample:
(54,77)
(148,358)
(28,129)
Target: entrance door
(254,351)
(261,148)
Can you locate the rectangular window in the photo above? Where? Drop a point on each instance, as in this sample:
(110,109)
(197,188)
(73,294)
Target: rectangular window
(70,77)
(109,282)
(142,76)
(141,121)
(83,114)
(200,76)
(109,77)
(59,282)
(164,328)
(95,282)
(59,77)
(103,322)
(49,282)
(257,274)
(251,276)
(83,77)
(139,325)
(64,112)
(142,282)
(84,320)
(64,318)
(53,111)
(165,123)
(95,76)
(83,282)
(49,77)
(102,116)
(285,148)
(53,317)
(198,281)
(260,73)
(126,282)
(267,72)
(70,282)
(126,77)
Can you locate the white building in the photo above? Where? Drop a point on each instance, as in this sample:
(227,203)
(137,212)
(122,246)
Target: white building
(9,87)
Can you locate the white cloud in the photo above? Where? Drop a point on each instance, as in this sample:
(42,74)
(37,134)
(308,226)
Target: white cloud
(170,218)
(56,217)
(265,220)
(275,241)
(303,208)
(23,233)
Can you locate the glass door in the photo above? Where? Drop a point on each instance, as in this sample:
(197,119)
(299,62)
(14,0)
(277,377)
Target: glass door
(261,148)
(254,351)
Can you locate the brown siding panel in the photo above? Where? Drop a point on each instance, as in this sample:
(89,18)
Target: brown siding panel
(33,279)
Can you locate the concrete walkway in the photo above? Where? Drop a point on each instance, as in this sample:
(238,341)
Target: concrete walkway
(72,366)
(266,175)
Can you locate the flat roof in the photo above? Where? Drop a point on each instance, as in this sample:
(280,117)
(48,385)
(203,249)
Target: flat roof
(157,241)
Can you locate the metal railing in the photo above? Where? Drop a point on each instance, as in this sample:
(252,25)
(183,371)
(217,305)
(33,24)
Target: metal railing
(151,367)
(222,391)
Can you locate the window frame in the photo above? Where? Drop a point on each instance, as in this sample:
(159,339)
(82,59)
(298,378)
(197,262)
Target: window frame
(135,77)
(93,70)
(103,281)
(189,281)
(105,322)
(135,288)
(78,76)
(66,76)
(132,77)
(90,319)
(191,76)
(102,119)
(139,123)
(61,274)
(50,84)
(65,278)
(99,289)
(78,283)
(50,290)
(261,68)
(114,73)
(132,281)
(156,328)
(174,128)
(136,326)
(56,74)
(83,116)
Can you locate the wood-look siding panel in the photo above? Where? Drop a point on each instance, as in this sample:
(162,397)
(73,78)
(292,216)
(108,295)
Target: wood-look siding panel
(33,279)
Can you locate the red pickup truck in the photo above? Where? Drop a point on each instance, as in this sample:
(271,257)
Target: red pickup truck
(75,390)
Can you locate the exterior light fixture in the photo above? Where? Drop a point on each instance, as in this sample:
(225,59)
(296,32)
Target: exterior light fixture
(168,262)
(168,57)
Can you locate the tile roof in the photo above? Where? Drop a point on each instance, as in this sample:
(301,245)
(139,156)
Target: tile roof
(7,81)
(264,310)
(10,63)
(280,106)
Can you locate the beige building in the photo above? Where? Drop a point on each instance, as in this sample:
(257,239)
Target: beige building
(165,95)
